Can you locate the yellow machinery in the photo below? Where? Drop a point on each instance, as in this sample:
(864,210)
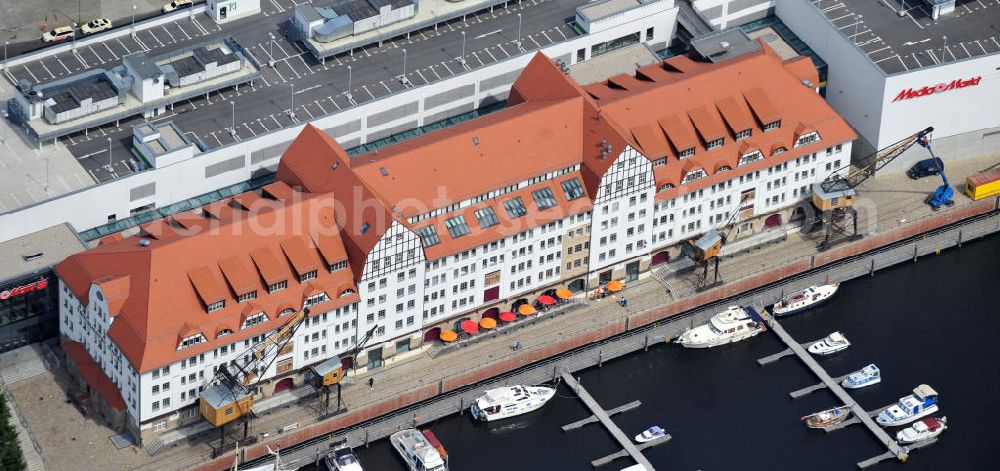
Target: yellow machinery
(329,373)
(834,197)
(230,395)
(706,248)
(982,185)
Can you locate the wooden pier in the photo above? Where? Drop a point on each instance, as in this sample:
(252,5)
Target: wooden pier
(629,448)
(861,415)
(816,387)
(592,419)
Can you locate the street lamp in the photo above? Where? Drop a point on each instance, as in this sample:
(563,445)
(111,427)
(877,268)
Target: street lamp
(5,43)
(944,48)
(902,9)
(133,19)
(291,112)
(404,64)
(519,31)
(270,54)
(860,17)
(349,76)
(461,60)
(109,155)
(232,129)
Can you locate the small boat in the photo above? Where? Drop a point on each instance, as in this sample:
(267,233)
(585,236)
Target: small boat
(732,325)
(833,343)
(828,417)
(416,451)
(650,434)
(510,401)
(920,404)
(922,430)
(805,299)
(866,376)
(342,459)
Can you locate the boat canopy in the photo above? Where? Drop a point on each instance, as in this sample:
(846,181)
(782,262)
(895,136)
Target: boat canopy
(837,337)
(924,391)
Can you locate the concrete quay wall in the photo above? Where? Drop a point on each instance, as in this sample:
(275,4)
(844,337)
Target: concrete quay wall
(623,336)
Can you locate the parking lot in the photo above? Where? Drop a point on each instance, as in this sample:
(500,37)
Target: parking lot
(298,88)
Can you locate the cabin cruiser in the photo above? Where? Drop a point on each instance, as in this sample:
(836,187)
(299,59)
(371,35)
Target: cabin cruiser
(833,343)
(866,376)
(805,299)
(510,401)
(828,417)
(921,430)
(416,451)
(650,434)
(732,325)
(342,459)
(921,403)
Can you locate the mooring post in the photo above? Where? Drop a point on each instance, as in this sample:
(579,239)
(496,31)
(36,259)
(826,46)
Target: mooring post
(645,344)
(600,358)
(871,271)
(914,252)
(366,438)
(461,406)
(959,237)
(555,373)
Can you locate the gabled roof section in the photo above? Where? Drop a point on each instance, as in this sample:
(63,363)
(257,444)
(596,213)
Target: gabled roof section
(761,105)
(680,132)
(207,285)
(706,123)
(240,278)
(272,269)
(653,143)
(303,260)
(116,291)
(735,115)
(542,80)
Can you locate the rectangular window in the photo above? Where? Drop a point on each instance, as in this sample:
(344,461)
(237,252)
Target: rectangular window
(572,189)
(686,153)
(216,306)
(772,125)
(307,276)
(486,217)
(247,296)
(457,226)
(429,236)
(544,198)
(743,134)
(338,266)
(278,286)
(515,207)
(716,143)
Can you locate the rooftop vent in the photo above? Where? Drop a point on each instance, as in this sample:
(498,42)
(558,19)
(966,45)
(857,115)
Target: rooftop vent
(383,171)
(32,256)
(335,165)
(475,140)
(724,44)
(144,242)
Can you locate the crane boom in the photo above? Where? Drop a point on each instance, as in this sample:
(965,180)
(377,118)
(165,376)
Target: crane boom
(870,164)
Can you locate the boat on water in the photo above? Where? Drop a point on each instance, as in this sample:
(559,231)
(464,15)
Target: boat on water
(650,434)
(732,325)
(920,404)
(833,343)
(510,401)
(866,376)
(805,299)
(416,451)
(824,419)
(342,458)
(921,430)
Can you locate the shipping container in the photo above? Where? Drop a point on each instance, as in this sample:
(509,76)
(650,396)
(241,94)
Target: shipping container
(984,184)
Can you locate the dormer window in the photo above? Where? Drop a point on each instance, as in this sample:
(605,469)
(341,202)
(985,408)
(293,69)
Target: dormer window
(338,266)
(716,143)
(660,162)
(191,340)
(744,134)
(253,320)
(686,153)
(667,187)
(247,296)
(750,157)
(216,306)
(309,275)
(223,333)
(277,286)
(778,150)
(807,138)
(316,299)
(286,311)
(772,125)
(429,236)
(724,168)
(694,175)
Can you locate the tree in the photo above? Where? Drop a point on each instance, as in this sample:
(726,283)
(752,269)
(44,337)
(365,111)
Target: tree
(10,453)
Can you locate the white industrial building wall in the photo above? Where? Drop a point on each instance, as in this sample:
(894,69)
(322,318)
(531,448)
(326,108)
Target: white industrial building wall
(732,13)
(90,207)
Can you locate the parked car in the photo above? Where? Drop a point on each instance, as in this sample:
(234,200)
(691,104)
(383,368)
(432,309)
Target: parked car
(925,168)
(96,26)
(61,33)
(176,5)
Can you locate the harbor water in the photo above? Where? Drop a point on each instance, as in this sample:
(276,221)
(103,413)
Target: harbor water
(934,322)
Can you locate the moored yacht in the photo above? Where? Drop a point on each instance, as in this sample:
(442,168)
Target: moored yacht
(732,325)
(866,376)
(805,299)
(416,451)
(342,459)
(829,345)
(510,401)
(921,430)
(921,403)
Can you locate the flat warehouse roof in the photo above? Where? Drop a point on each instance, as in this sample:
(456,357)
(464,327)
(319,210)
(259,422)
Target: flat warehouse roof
(914,41)
(38,250)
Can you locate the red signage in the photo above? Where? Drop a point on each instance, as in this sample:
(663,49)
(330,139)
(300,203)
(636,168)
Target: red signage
(39,285)
(939,88)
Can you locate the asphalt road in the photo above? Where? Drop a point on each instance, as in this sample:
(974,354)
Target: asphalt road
(319,88)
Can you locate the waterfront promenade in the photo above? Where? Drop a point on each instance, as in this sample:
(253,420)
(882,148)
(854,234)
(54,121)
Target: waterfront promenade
(66,438)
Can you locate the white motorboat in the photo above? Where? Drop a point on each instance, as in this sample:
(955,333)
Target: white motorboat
(342,459)
(920,404)
(650,434)
(510,401)
(805,299)
(866,376)
(732,325)
(833,343)
(416,451)
(921,430)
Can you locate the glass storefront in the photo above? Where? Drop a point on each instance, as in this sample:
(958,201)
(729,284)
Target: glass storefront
(29,309)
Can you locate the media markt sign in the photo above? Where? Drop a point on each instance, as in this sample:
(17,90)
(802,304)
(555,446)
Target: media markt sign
(939,88)
(39,285)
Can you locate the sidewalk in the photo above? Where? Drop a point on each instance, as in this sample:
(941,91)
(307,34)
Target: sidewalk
(419,376)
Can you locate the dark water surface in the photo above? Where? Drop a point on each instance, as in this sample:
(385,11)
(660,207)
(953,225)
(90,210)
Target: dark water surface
(935,322)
